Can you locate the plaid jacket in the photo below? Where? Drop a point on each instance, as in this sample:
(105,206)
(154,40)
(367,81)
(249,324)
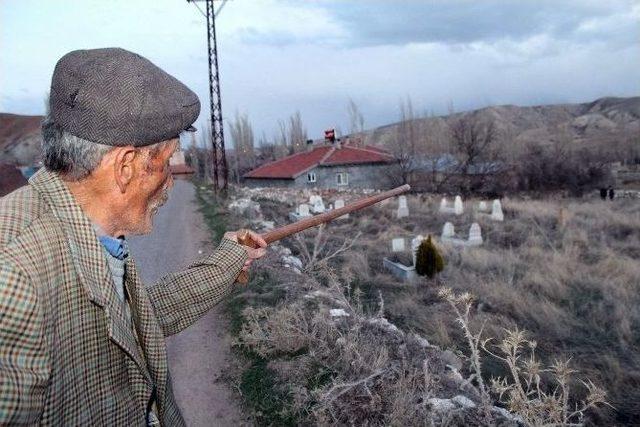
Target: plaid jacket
(67,354)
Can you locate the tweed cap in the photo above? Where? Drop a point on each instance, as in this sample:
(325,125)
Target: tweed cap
(115,97)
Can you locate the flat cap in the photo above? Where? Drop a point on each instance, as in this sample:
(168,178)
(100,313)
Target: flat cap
(115,97)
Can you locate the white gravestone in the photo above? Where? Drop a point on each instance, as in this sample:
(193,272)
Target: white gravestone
(317,205)
(496,211)
(475,235)
(457,206)
(303,210)
(482,207)
(443,205)
(340,204)
(448,231)
(403,209)
(415,243)
(397,245)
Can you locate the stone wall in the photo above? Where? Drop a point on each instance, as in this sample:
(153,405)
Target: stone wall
(371,176)
(359,176)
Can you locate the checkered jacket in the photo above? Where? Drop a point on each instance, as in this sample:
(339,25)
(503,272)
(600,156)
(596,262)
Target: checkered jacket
(67,354)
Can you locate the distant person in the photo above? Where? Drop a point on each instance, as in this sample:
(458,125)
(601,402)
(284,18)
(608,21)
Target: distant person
(612,193)
(81,338)
(603,193)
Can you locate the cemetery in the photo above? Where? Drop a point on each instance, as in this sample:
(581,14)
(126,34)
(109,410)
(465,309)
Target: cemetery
(522,259)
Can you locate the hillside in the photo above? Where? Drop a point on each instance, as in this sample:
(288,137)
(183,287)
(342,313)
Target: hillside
(20,139)
(600,119)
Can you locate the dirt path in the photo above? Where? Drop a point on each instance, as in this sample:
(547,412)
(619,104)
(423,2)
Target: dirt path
(199,355)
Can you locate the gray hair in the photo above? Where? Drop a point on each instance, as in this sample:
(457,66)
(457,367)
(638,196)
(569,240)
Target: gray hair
(69,155)
(74,157)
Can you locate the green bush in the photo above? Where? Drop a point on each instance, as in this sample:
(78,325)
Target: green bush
(429,262)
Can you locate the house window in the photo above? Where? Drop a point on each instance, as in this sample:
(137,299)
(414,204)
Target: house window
(311,177)
(342,178)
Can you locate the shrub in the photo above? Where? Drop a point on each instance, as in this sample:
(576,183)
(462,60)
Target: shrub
(429,262)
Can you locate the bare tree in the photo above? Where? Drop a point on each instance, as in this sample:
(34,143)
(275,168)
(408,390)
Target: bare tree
(405,145)
(291,136)
(297,133)
(356,119)
(474,142)
(243,142)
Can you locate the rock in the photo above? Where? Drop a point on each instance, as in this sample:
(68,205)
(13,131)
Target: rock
(464,401)
(265,225)
(338,312)
(384,324)
(245,207)
(293,261)
(451,359)
(441,405)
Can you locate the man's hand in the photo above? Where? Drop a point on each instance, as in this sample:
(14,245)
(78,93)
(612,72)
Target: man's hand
(253,253)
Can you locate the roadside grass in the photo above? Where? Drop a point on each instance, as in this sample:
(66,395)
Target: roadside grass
(268,400)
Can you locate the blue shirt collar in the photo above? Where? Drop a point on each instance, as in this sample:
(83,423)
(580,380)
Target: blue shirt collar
(116,246)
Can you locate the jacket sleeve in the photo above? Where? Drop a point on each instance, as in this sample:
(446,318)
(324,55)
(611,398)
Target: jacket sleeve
(179,299)
(24,359)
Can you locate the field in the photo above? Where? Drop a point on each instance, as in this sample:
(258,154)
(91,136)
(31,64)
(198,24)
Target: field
(564,270)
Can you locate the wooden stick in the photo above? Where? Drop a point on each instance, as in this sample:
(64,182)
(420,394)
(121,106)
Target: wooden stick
(298,226)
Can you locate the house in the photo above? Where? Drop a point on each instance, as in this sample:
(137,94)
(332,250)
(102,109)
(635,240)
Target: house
(445,173)
(326,166)
(179,167)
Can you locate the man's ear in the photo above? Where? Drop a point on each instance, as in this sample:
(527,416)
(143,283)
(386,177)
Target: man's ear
(124,166)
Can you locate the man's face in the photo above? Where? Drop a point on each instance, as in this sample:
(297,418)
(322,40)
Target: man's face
(152,187)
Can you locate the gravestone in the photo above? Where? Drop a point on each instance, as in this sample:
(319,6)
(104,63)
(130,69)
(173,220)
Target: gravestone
(397,245)
(443,205)
(317,205)
(448,231)
(303,210)
(482,207)
(340,204)
(496,211)
(403,209)
(475,235)
(457,206)
(415,243)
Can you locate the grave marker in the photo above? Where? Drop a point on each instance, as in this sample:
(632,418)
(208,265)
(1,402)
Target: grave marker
(397,245)
(403,209)
(448,231)
(458,208)
(496,211)
(475,235)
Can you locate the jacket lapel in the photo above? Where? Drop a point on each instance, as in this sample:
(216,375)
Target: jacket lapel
(89,260)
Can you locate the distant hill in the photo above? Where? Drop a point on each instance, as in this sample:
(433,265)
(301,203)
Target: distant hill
(601,118)
(20,138)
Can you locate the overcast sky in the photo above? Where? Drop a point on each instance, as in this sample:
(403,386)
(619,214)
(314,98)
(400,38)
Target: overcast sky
(279,56)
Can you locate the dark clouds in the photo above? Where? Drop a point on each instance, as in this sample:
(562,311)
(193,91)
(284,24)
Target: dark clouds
(398,22)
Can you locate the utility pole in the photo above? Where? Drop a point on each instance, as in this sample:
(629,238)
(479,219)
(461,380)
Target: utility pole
(219,161)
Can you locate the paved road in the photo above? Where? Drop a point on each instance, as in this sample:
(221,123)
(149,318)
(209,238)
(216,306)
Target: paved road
(199,355)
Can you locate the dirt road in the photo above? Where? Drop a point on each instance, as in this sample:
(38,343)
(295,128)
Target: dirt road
(199,355)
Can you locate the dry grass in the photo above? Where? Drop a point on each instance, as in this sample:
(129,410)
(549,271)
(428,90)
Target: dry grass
(572,280)
(575,286)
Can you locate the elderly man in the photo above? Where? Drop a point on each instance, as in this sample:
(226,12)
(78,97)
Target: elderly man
(81,338)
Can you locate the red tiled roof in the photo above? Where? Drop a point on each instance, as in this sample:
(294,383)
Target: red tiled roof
(296,164)
(291,166)
(354,155)
(181,169)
